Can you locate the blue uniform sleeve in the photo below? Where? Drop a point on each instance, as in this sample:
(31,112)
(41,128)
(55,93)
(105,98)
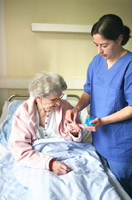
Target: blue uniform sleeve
(128,85)
(87,85)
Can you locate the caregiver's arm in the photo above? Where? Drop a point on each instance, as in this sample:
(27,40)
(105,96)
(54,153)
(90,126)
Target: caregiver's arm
(71,115)
(121,115)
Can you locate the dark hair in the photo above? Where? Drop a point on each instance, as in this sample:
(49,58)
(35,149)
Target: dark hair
(111,27)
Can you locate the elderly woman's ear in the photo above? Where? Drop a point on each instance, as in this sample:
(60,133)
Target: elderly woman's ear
(38,102)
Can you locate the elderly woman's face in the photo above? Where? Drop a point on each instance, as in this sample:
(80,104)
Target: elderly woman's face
(49,103)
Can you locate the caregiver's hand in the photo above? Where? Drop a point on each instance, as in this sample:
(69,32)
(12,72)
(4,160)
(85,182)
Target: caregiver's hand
(98,122)
(59,168)
(71,115)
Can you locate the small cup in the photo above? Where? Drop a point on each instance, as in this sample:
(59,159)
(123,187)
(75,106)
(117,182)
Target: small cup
(88,120)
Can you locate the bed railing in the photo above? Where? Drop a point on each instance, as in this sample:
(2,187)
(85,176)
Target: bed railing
(73,96)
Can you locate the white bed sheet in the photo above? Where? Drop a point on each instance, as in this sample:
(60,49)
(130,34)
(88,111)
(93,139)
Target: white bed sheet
(4,151)
(13,190)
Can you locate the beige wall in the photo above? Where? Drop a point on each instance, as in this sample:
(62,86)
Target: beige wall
(68,54)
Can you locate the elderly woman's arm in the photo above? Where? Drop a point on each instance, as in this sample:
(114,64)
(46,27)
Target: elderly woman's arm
(66,129)
(20,143)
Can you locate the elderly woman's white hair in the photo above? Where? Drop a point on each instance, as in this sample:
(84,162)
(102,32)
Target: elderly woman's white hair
(46,83)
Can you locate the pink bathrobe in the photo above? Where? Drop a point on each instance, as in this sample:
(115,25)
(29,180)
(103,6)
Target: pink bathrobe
(24,133)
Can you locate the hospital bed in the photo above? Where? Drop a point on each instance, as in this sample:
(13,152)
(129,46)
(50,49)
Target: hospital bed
(90,178)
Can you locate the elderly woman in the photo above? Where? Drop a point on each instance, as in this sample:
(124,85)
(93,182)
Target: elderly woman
(42,116)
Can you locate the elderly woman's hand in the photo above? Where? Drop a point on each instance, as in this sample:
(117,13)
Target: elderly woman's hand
(58,167)
(74,129)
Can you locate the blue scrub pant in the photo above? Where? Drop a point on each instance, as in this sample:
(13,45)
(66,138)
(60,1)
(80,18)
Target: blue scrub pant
(123,173)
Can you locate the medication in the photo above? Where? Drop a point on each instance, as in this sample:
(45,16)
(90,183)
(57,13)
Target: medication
(88,120)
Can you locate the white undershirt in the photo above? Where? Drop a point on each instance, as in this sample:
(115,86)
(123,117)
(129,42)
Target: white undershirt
(50,130)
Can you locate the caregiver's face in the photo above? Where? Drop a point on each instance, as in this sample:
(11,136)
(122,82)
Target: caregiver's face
(106,48)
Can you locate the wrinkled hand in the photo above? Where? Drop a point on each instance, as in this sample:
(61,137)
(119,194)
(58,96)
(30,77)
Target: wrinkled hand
(59,168)
(71,115)
(74,129)
(98,122)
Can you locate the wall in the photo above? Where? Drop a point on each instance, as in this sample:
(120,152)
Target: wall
(26,52)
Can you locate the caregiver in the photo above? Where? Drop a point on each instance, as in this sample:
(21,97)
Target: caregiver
(108,90)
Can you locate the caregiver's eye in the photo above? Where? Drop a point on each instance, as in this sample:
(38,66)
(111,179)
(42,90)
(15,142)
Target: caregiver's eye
(104,45)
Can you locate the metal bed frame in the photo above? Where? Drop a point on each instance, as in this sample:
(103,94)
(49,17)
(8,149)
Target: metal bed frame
(27,95)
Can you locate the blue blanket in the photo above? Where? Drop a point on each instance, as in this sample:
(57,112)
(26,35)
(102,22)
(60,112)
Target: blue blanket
(87,180)
(10,188)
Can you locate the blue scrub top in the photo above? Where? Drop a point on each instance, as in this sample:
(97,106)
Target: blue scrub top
(111,90)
